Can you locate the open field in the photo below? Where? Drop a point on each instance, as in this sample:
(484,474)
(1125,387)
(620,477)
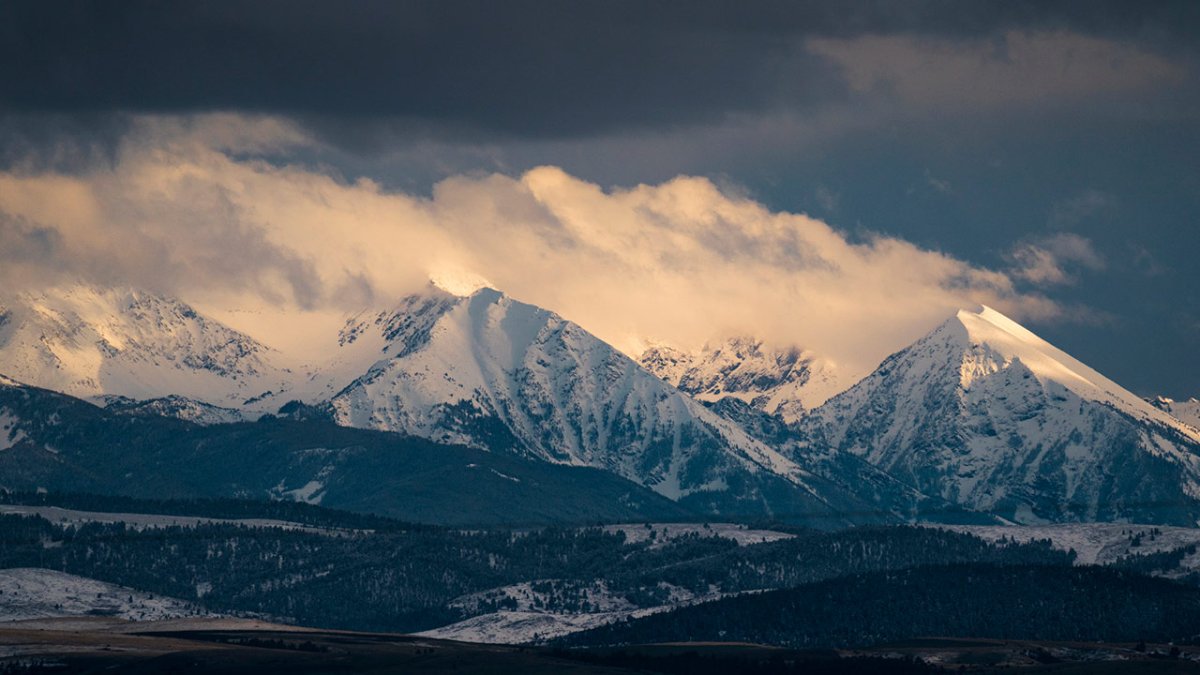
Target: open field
(233,646)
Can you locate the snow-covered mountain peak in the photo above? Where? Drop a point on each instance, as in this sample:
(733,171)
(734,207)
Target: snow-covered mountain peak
(90,342)
(784,381)
(403,325)
(984,413)
(456,281)
(1012,341)
(995,341)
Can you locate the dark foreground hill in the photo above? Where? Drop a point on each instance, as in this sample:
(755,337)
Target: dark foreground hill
(63,444)
(971,600)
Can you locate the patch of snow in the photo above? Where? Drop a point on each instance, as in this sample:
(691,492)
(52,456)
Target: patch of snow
(10,433)
(527,623)
(515,627)
(1093,543)
(661,533)
(33,593)
(309,493)
(526,596)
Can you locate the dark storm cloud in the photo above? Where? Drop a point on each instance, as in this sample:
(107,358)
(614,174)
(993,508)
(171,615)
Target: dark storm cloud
(58,141)
(515,68)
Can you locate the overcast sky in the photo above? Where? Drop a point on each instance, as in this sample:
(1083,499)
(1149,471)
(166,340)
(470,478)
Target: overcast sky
(840,175)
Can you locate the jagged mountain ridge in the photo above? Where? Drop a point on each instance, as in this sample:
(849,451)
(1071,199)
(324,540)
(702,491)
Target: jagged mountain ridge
(1185,411)
(987,415)
(785,382)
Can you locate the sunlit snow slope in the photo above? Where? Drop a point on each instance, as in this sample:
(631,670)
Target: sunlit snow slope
(93,343)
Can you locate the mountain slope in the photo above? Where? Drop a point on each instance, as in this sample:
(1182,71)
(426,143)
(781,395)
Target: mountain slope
(784,382)
(92,343)
(492,372)
(880,494)
(63,444)
(986,414)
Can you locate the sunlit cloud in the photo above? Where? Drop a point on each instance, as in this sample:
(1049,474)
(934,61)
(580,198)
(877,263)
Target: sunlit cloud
(683,261)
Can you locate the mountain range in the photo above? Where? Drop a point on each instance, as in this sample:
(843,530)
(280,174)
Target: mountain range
(978,421)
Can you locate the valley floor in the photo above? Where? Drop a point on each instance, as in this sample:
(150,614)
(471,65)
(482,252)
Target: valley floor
(88,583)
(227,646)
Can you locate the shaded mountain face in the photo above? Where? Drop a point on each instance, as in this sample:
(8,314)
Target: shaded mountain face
(985,414)
(881,495)
(89,342)
(783,382)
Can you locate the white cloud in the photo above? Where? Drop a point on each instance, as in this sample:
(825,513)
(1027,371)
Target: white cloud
(681,261)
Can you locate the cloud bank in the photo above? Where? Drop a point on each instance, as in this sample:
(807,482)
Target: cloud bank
(184,211)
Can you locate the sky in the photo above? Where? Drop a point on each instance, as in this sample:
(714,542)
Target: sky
(837,175)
